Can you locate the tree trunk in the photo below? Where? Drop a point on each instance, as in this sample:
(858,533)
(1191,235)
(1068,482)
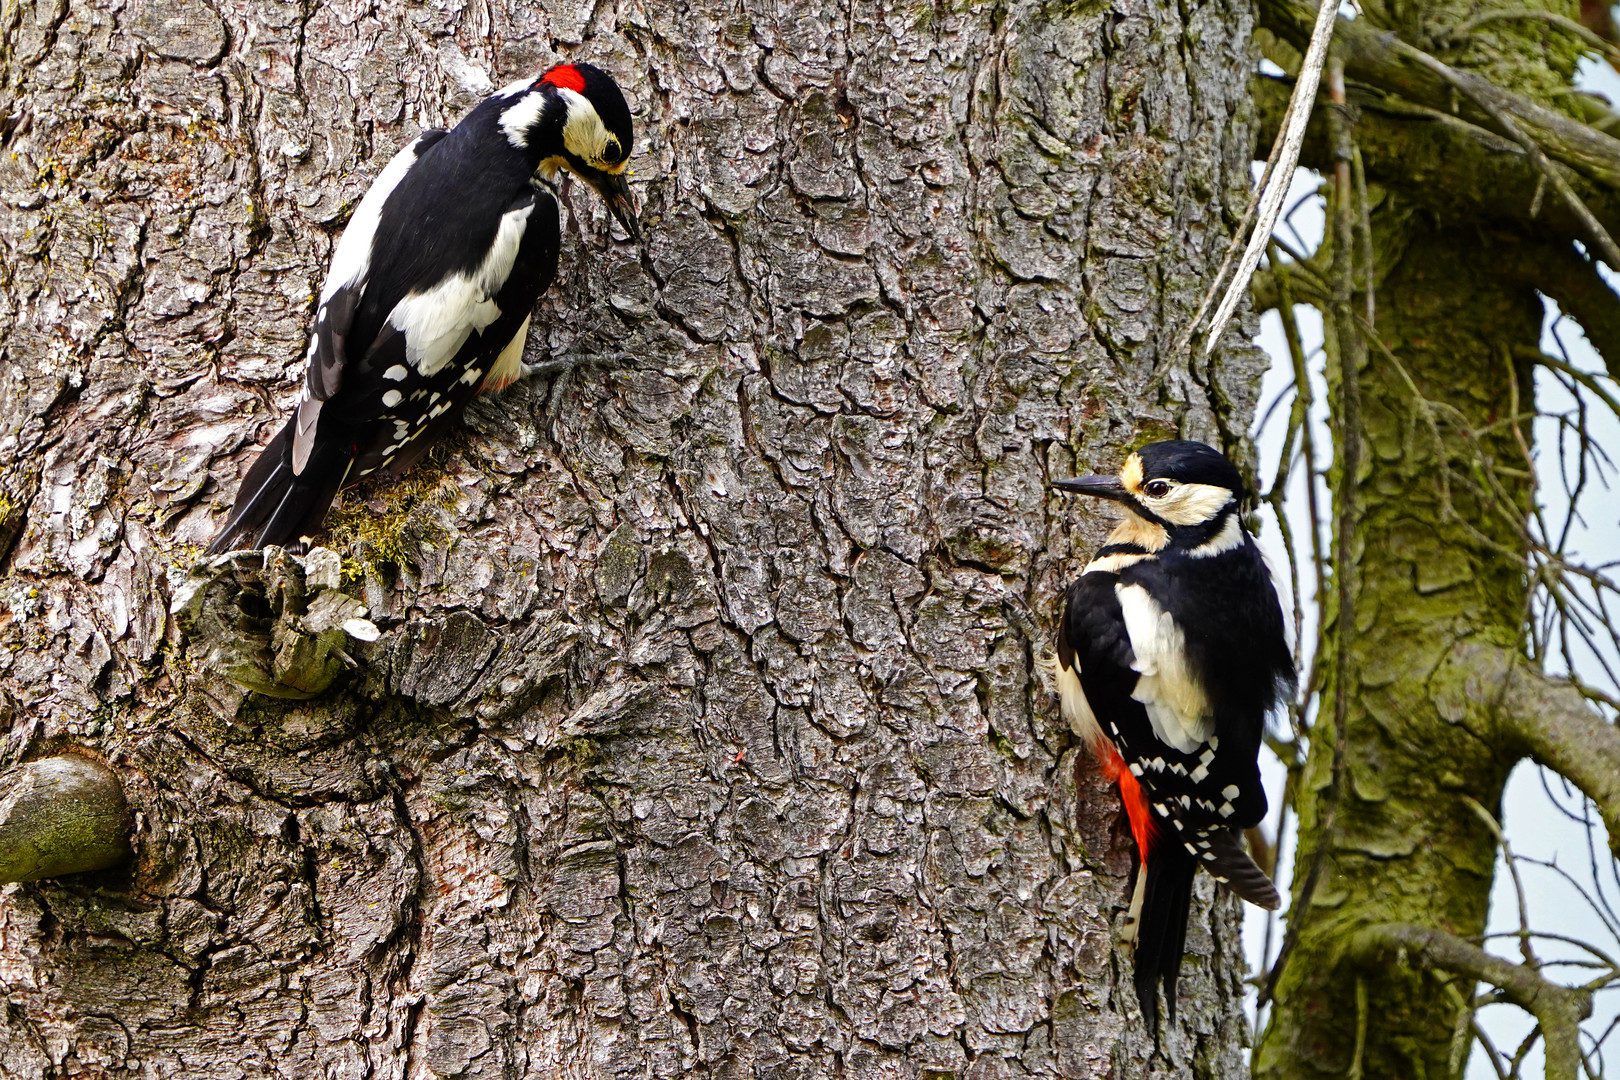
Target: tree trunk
(698,740)
(1431,578)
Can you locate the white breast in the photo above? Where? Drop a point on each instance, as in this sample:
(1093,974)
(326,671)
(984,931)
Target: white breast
(1174,699)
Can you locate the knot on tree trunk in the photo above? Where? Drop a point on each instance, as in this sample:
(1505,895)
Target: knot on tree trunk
(272,622)
(61,815)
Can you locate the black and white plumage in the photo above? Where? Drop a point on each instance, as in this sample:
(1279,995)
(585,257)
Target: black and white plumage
(1172,652)
(428,298)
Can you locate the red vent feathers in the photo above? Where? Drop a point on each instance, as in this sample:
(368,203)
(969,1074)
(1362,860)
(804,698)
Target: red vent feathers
(565,77)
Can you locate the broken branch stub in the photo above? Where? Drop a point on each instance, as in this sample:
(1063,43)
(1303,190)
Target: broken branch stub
(61,815)
(272,622)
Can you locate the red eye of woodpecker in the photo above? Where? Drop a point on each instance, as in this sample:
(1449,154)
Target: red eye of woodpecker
(1156,489)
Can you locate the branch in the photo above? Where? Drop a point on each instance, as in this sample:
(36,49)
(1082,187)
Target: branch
(1558,270)
(1459,170)
(1373,56)
(1551,722)
(61,815)
(1592,40)
(1274,185)
(1558,1009)
(1496,103)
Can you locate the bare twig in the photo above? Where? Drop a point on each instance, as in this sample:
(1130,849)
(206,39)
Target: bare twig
(1351,354)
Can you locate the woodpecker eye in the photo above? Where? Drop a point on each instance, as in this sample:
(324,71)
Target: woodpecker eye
(611,153)
(1156,489)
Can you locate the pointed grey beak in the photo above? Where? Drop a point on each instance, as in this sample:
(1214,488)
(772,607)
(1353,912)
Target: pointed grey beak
(1102,487)
(615,191)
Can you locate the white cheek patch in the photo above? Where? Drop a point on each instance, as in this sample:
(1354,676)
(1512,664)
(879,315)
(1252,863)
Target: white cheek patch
(1230,536)
(1175,701)
(1191,504)
(584,134)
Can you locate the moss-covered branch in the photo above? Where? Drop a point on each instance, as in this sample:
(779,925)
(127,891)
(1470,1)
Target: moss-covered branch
(61,815)
(1458,170)
(1552,722)
(1558,1009)
(1560,271)
(1372,56)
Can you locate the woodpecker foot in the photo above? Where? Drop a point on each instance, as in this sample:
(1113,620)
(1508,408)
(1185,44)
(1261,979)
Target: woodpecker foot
(1020,619)
(547,368)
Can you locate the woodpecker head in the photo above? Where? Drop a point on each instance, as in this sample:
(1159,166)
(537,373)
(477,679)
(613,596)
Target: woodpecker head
(575,117)
(1182,493)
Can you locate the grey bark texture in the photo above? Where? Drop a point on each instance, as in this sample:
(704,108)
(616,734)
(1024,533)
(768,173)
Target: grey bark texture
(697,740)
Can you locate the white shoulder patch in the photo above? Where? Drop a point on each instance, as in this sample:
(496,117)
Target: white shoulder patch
(352,259)
(1175,701)
(585,136)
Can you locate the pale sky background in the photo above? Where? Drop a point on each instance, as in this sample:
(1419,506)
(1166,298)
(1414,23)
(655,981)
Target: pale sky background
(1535,825)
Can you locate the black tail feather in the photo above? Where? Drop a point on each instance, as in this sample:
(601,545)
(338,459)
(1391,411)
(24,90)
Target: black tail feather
(1228,862)
(1163,929)
(276,506)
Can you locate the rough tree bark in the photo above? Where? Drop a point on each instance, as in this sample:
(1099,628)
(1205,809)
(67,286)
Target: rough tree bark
(697,740)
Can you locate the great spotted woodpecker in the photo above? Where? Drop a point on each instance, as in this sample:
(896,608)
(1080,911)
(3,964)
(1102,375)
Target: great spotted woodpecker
(1171,654)
(428,298)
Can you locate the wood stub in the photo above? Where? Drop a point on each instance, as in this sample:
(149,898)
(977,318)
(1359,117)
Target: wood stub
(61,815)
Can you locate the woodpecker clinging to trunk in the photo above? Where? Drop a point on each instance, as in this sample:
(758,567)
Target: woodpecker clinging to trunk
(428,297)
(1171,653)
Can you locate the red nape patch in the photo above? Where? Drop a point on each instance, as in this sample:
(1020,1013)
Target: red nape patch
(565,77)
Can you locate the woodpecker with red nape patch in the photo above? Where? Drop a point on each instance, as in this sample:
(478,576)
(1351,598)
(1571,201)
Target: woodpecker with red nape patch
(1171,654)
(428,298)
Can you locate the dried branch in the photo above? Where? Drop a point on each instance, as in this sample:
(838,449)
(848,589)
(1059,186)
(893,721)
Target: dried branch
(1592,40)
(61,815)
(1491,99)
(1461,172)
(1558,1009)
(1274,184)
